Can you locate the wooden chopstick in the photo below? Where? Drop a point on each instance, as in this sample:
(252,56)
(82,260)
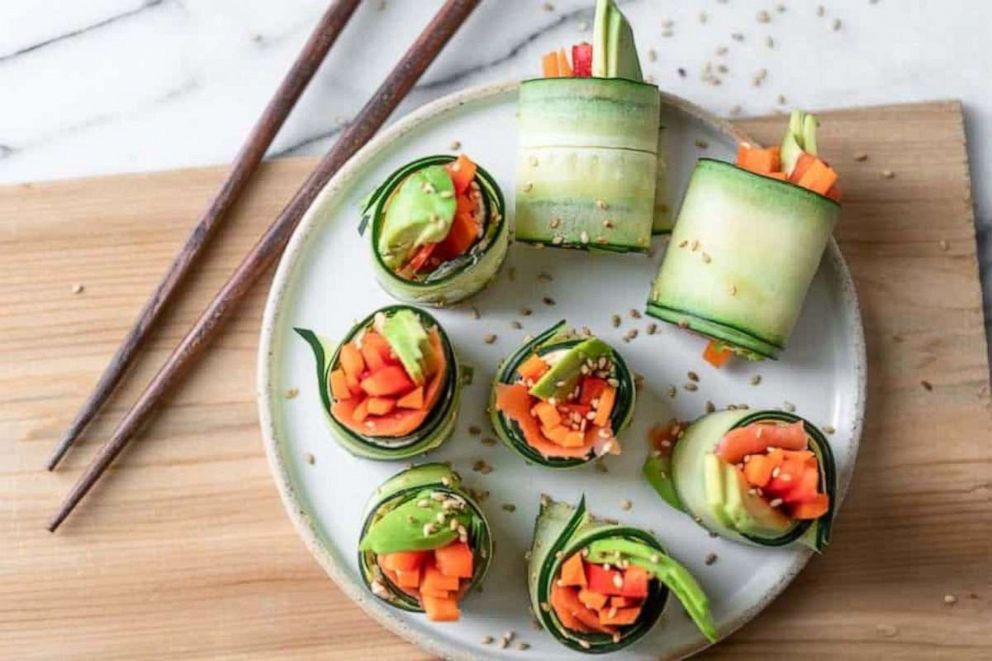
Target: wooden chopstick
(375,112)
(245,163)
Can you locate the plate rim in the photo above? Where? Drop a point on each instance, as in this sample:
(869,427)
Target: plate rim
(267,397)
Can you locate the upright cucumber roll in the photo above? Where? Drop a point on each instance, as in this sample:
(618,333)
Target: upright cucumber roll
(588,161)
(747,243)
(425,543)
(598,586)
(761,477)
(391,387)
(561,399)
(438,230)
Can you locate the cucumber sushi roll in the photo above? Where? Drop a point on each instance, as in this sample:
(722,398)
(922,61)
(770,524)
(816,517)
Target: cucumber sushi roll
(747,243)
(391,388)
(425,543)
(438,230)
(562,399)
(598,586)
(589,131)
(765,478)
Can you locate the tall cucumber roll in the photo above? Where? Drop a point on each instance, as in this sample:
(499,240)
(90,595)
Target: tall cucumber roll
(748,241)
(425,543)
(599,586)
(561,399)
(589,137)
(391,387)
(438,230)
(761,477)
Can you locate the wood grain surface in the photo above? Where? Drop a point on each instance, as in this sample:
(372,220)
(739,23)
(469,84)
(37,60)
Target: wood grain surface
(183,550)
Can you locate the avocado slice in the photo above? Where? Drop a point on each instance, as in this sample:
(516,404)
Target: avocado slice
(750,514)
(409,341)
(419,212)
(614,53)
(800,137)
(713,478)
(566,370)
(658,472)
(403,528)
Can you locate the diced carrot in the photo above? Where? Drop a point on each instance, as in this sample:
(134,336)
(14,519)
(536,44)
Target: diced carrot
(455,559)
(403,560)
(758,469)
(462,171)
(593,600)
(361,411)
(602,580)
(619,616)
(716,354)
(569,621)
(376,351)
(812,509)
(439,609)
(556,434)
(804,489)
(777,175)
(354,385)
(549,65)
(413,399)
(573,571)
(434,581)
(574,439)
(624,602)
(533,368)
(463,232)
(834,193)
(380,405)
(635,582)
(564,68)
(757,437)
(390,380)
(590,389)
(515,403)
(547,414)
(339,385)
(819,177)
(761,161)
(786,477)
(409,578)
(569,600)
(606,400)
(351,360)
(802,164)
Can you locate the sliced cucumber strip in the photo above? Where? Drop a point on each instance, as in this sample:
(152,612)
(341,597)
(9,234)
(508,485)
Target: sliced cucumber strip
(742,256)
(436,428)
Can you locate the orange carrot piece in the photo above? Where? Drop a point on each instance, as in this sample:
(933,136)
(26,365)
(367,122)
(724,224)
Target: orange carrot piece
(515,403)
(761,161)
(607,399)
(592,599)
(623,602)
(716,354)
(758,469)
(574,439)
(813,509)
(569,600)
(403,560)
(339,385)
(409,578)
(548,415)
(412,400)
(635,582)
(564,614)
(757,437)
(619,616)
(462,171)
(463,233)
(819,177)
(564,68)
(533,368)
(440,609)
(380,405)
(556,434)
(549,65)
(777,175)
(455,559)
(573,571)
(361,411)
(421,257)
(435,582)
(802,164)
(390,380)
(834,193)
(351,360)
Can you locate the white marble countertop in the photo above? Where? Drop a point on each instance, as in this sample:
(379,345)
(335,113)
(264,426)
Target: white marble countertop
(107,86)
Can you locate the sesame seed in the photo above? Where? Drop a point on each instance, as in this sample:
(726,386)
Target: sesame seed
(775,471)
(756,379)
(630,335)
(547,300)
(775,502)
(926,385)
(710,407)
(861,156)
(652,55)
(888,174)
(429,529)
(489,440)
(950,599)
(600,204)
(489,338)
(547,6)
(722,50)
(763,16)
(455,145)
(310,459)
(626,504)
(666,33)
(781,99)
(789,407)
(557,239)
(555,222)
(446,194)
(683,243)
(692,376)
(475,313)
(694,246)
(702,17)
(737,36)
(509,507)
(837,24)
(544,276)
(77,288)
(532,160)
(821,10)
(523,647)
(710,558)
(829,429)
(651,328)
(487,640)
(690,386)
(617,581)
(944,245)
(474,430)
(292,393)
(770,42)
(735,110)
(584,236)
(672,391)
(702,144)
(528,187)
(681,72)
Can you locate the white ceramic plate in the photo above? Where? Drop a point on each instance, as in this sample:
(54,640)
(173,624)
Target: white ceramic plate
(325,282)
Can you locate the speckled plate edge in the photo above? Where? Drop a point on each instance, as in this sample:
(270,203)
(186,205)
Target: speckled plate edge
(267,396)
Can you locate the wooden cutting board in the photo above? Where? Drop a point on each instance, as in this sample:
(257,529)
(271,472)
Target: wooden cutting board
(184,549)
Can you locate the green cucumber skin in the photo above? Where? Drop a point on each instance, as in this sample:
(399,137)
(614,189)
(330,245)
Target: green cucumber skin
(441,423)
(585,141)
(764,239)
(462,284)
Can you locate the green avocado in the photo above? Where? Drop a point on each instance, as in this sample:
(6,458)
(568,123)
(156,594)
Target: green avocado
(713,478)
(614,53)
(562,377)
(658,472)
(408,339)
(419,212)
(800,137)
(750,514)
(405,528)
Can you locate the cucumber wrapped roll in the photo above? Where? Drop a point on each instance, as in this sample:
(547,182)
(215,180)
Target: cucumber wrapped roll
(425,543)
(588,162)
(599,586)
(561,399)
(747,243)
(761,477)
(391,388)
(438,230)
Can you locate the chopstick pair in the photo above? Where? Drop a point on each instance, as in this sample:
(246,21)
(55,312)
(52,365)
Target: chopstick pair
(265,252)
